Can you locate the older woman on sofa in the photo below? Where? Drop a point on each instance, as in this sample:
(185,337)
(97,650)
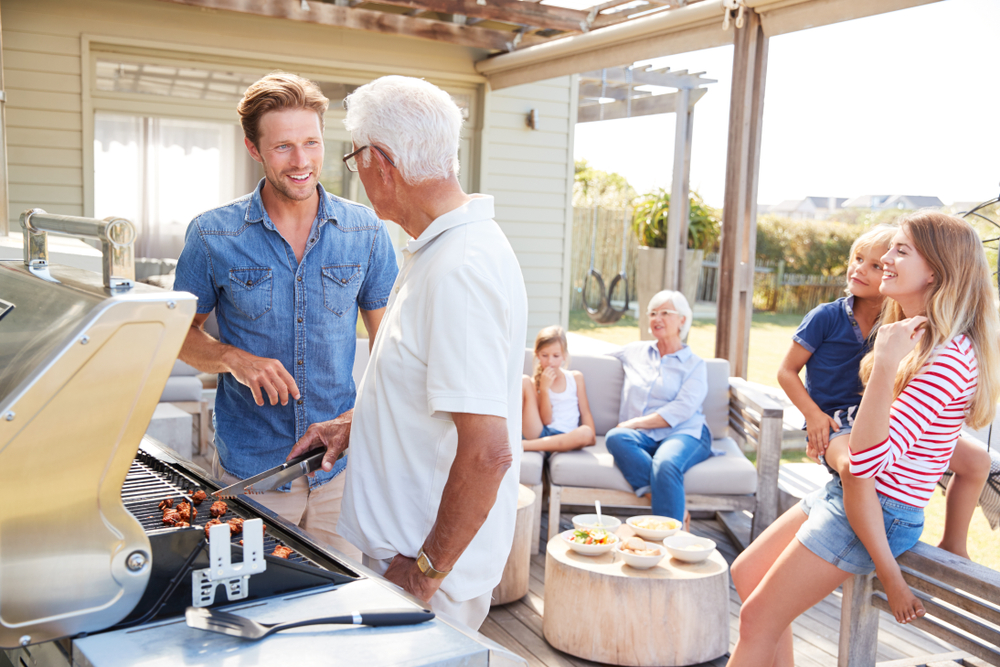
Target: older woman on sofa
(662,433)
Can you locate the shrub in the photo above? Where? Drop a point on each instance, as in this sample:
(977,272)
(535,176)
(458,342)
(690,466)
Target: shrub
(649,222)
(807,246)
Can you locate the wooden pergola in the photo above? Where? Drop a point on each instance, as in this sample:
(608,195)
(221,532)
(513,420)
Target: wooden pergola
(523,41)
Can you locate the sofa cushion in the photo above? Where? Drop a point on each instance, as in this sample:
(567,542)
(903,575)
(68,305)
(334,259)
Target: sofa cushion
(594,467)
(603,376)
(180,368)
(531,468)
(716,405)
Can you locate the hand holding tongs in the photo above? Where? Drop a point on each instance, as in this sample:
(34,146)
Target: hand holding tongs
(276,476)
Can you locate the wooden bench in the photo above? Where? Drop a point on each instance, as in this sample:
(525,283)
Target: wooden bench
(961,599)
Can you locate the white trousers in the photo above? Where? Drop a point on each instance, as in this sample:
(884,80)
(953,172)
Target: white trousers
(467,613)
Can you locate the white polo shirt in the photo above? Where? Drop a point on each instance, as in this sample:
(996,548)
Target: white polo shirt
(451,340)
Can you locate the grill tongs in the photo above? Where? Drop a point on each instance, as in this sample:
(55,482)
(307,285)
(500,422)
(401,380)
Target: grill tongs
(276,476)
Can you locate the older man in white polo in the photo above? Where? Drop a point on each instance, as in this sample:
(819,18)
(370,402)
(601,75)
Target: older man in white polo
(435,434)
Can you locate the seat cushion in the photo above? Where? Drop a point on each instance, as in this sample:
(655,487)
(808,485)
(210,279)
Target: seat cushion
(531,468)
(594,467)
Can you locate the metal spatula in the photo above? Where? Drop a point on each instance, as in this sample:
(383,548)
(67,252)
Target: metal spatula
(230,624)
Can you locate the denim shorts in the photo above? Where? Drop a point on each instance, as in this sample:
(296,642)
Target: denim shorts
(546,431)
(829,535)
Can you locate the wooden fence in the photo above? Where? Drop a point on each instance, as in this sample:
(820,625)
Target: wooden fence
(774,290)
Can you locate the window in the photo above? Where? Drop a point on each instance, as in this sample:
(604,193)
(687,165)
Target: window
(162,172)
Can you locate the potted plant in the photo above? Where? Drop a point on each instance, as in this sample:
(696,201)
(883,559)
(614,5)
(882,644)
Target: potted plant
(649,222)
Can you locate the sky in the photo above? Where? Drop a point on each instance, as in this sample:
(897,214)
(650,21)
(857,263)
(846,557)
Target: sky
(901,103)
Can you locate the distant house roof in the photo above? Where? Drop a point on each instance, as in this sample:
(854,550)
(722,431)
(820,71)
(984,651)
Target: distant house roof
(880,202)
(824,202)
(787,206)
(912,202)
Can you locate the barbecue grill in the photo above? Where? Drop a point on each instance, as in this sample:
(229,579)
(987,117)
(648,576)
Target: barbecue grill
(89,572)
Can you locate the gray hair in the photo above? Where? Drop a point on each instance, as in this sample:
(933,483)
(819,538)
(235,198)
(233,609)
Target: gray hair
(680,304)
(415,120)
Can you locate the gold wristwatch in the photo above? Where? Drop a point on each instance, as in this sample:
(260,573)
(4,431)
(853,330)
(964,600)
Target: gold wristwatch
(427,568)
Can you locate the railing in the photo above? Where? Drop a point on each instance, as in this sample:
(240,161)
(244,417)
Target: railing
(960,598)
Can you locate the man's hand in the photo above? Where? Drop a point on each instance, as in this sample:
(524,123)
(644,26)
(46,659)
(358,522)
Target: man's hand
(818,430)
(404,573)
(257,372)
(335,435)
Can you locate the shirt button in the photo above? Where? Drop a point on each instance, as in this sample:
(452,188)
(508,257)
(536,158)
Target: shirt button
(301,362)
(301,401)
(299,278)
(343,280)
(300,320)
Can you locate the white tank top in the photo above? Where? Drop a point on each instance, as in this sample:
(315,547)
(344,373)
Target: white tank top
(565,406)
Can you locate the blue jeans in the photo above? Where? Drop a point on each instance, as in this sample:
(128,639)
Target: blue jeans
(658,466)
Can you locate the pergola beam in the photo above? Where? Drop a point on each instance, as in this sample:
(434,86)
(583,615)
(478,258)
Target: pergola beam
(507,11)
(647,77)
(322,13)
(641,106)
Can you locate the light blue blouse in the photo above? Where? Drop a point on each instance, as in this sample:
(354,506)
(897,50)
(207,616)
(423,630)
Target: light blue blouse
(673,386)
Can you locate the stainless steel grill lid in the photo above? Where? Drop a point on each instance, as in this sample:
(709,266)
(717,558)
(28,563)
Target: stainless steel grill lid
(82,367)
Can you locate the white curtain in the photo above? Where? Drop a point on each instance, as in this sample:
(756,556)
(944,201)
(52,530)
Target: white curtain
(162,172)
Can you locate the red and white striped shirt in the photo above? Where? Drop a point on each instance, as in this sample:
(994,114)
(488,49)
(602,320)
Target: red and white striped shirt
(924,423)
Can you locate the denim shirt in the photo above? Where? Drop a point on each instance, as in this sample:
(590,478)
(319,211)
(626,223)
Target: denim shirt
(303,314)
(673,386)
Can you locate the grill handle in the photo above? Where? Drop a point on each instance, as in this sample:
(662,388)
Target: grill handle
(115,234)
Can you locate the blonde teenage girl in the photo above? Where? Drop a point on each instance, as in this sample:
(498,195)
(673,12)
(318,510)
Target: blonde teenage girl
(830,343)
(933,367)
(555,415)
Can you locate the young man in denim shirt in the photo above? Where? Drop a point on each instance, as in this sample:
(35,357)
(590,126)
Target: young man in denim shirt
(286,268)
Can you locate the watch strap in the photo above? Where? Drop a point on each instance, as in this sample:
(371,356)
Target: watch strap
(427,568)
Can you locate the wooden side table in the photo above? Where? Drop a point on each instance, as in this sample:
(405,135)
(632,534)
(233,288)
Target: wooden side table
(514,583)
(599,608)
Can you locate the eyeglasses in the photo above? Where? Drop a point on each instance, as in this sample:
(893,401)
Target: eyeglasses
(351,158)
(662,313)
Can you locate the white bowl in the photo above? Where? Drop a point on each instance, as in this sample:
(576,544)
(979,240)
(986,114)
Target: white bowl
(608,523)
(589,549)
(641,562)
(649,534)
(689,548)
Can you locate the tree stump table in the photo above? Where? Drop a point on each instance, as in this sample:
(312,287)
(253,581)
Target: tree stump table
(514,582)
(599,608)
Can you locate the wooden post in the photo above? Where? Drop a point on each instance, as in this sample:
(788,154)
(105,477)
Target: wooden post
(739,215)
(677,215)
(858,623)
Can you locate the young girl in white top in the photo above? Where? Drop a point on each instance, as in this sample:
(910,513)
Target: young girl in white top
(555,413)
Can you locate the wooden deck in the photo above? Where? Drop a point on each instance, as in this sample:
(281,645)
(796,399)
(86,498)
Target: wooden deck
(518,625)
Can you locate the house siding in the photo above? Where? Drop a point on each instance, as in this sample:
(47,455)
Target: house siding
(530,174)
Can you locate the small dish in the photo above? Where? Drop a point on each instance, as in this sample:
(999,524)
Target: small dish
(689,548)
(589,549)
(641,562)
(654,534)
(608,523)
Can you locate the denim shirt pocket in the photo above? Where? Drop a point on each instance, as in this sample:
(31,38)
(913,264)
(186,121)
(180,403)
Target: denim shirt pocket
(341,284)
(250,289)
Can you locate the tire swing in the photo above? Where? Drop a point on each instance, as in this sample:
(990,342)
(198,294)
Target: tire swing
(605,313)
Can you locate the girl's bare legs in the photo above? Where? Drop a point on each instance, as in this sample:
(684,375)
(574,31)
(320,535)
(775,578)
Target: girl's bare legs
(864,512)
(579,437)
(971,465)
(797,581)
(752,565)
(531,423)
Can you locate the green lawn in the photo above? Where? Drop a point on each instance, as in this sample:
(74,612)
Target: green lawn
(770,336)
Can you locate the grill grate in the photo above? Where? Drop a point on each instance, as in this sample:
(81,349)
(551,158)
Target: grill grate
(150,481)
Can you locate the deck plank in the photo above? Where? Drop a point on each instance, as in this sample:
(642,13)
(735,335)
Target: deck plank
(518,625)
